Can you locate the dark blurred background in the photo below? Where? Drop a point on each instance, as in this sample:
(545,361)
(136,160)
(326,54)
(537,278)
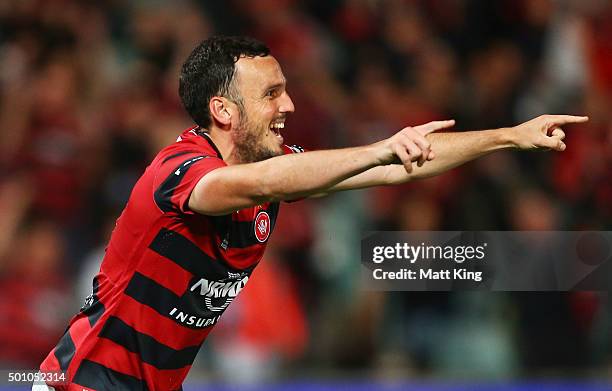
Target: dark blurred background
(88,95)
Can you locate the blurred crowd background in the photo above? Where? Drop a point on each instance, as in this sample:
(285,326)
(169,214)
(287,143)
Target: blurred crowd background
(88,95)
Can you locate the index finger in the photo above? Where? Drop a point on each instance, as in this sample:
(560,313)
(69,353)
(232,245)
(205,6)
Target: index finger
(433,126)
(568,119)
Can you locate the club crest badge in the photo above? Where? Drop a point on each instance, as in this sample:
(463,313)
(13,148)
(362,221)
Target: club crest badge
(262,226)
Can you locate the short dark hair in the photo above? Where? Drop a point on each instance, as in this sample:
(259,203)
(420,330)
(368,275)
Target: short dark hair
(209,71)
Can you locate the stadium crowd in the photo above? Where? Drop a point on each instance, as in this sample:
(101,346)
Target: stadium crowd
(88,95)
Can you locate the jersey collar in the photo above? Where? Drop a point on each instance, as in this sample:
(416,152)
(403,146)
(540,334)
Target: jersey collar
(207,137)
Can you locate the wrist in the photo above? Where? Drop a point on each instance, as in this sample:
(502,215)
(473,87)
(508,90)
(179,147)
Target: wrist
(376,154)
(506,138)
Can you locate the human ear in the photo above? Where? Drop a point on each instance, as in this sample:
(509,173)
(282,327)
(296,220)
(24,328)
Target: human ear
(220,111)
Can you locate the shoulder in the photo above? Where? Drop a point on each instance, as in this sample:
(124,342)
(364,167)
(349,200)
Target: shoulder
(189,145)
(289,149)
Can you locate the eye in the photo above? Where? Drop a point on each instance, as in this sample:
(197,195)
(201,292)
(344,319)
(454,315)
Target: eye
(272,93)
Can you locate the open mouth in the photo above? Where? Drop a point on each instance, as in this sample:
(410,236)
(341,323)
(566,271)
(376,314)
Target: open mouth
(276,128)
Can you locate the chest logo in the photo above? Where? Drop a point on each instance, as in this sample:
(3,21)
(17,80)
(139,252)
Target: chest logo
(262,226)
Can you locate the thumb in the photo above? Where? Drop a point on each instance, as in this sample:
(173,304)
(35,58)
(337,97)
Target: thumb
(433,126)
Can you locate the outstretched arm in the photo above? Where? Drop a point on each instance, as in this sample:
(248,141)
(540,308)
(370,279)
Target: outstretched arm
(292,176)
(454,149)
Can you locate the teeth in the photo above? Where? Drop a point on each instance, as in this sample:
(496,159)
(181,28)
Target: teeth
(277,125)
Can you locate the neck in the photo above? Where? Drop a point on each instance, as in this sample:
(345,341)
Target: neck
(223,141)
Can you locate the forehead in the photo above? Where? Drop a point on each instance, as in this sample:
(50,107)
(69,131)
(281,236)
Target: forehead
(258,72)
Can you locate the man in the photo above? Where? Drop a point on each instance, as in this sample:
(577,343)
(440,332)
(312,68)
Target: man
(198,219)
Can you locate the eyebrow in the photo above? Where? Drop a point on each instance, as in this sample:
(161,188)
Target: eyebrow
(276,85)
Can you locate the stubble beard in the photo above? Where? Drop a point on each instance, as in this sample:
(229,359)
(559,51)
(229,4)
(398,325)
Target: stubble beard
(249,141)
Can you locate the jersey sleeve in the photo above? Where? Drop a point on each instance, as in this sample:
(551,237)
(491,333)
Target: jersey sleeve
(178,175)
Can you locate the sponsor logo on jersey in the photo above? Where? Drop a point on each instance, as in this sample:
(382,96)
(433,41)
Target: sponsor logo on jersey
(209,300)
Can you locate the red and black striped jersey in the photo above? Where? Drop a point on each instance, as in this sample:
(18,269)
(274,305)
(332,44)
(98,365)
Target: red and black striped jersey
(167,276)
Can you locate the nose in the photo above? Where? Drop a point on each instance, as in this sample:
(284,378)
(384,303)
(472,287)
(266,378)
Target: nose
(286,104)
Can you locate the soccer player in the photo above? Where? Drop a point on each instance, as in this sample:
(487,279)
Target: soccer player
(198,220)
